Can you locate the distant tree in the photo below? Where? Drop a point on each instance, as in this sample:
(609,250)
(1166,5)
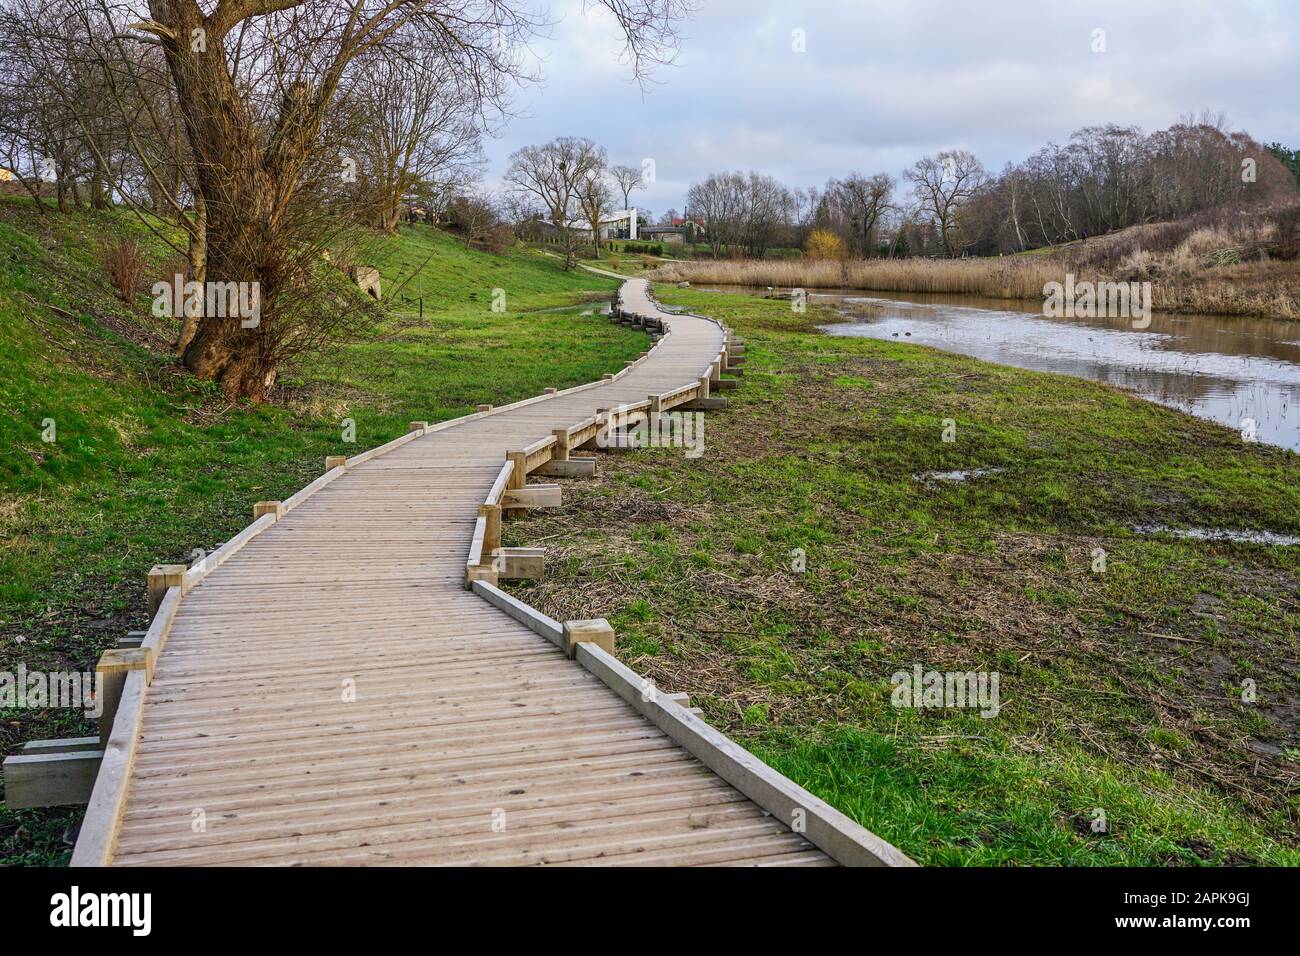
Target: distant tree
(941,184)
(1290,158)
(627,178)
(554,174)
(594,198)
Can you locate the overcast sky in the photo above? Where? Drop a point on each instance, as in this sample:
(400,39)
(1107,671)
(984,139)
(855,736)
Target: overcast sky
(882,82)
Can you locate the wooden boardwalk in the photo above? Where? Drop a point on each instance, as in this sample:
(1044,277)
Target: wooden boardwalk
(330,692)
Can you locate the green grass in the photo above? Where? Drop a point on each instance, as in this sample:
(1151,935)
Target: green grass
(148,464)
(1121,689)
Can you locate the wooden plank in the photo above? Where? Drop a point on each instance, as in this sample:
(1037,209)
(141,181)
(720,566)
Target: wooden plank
(519,564)
(533,496)
(61,745)
(571,468)
(50,779)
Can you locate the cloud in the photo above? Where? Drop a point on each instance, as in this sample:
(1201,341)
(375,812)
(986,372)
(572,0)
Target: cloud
(881,84)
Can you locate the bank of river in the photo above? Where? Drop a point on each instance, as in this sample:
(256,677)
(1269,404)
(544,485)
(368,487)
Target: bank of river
(1243,373)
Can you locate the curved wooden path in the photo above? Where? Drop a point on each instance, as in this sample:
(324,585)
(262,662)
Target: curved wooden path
(328,690)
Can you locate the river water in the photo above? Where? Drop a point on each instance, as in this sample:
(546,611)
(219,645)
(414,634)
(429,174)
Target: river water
(1233,371)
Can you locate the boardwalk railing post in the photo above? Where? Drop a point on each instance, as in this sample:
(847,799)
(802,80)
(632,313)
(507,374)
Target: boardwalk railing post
(162,577)
(492,533)
(595,631)
(111,673)
(268,508)
(335,461)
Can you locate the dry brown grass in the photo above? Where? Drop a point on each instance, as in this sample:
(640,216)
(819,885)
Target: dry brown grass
(1228,262)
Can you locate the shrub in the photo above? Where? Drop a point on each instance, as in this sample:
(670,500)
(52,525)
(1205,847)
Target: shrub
(125,266)
(823,244)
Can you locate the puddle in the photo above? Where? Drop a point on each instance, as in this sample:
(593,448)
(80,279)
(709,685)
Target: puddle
(961,474)
(1222,534)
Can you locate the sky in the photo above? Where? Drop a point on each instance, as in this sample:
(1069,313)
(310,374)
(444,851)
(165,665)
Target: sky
(879,83)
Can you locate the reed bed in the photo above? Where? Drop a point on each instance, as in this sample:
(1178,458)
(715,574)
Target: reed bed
(1206,270)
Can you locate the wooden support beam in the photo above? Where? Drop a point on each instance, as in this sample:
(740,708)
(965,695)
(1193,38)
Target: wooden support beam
(268,508)
(162,577)
(485,408)
(704,388)
(723,384)
(46,777)
(656,406)
(704,405)
(549,391)
(335,461)
(132,639)
(519,564)
(607,377)
(418,426)
(593,631)
(532,496)
(569,468)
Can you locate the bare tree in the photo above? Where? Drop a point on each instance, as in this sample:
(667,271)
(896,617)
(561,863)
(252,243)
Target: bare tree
(627,178)
(553,174)
(594,198)
(413,124)
(863,200)
(941,183)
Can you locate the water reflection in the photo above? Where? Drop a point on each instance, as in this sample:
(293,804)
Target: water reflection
(1223,369)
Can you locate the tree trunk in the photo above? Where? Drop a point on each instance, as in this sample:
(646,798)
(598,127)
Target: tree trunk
(198,258)
(224,352)
(254,181)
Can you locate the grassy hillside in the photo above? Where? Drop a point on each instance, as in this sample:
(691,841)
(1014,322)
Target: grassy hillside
(147,464)
(1120,688)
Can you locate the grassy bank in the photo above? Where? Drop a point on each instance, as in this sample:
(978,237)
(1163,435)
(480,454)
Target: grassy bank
(147,464)
(1120,689)
(1228,264)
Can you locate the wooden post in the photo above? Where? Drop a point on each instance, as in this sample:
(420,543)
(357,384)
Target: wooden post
(656,406)
(560,450)
(111,673)
(335,461)
(518,475)
(492,530)
(268,508)
(715,371)
(607,377)
(485,408)
(549,391)
(704,387)
(595,631)
(418,426)
(162,577)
